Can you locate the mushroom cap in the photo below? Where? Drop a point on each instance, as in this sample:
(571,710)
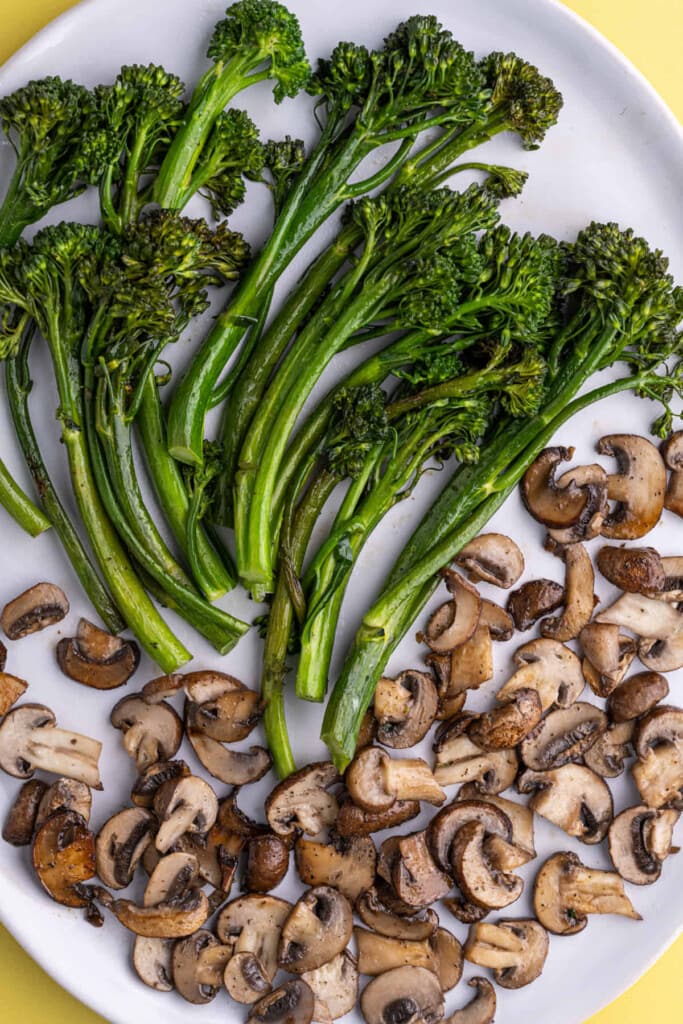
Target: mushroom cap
(481,1009)
(65,795)
(172,876)
(550,668)
(96,658)
(291,1003)
(607,755)
(445,825)
(405,708)
(234,767)
(507,725)
(267,862)
(303,801)
(153,962)
(493,558)
(318,928)
(335,986)
(21,817)
(579,599)
(373,912)
(455,621)
(479,882)
(64,857)
(637,696)
(152,777)
(634,570)
(355,821)
(633,839)
(194,960)
(120,844)
(563,736)
(515,949)
(572,797)
(245,978)
(554,506)
(533,600)
(11,689)
(638,488)
(403,994)
(347,863)
(36,608)
(185,804)
(152,732)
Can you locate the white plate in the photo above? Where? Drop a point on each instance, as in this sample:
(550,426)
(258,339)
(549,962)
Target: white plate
(616,154)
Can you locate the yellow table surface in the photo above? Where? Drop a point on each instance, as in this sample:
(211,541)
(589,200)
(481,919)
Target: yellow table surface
(650,33)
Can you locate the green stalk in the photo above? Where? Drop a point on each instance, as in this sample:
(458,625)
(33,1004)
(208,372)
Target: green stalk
(15,215)
(19,506)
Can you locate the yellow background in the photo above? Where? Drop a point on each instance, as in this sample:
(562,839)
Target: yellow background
(650,33)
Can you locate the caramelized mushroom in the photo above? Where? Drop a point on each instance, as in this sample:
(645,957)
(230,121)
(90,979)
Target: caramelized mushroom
(579,600)
(556,507)
(304,801)
(121,842)
(405,709)
(634,570)
(403,994)
(566,892)
(316,930)
(96,658)
(375,780)
(516,951)
(637,696)
(638,488)
(549,668)
(11,689)
(64,857)
(533,600)
(348,864)
(478,880)
(672,453)
(37,608)
(481,1009)
(493,558)
(21,818)
(455,621)
(563,736)
(151,732)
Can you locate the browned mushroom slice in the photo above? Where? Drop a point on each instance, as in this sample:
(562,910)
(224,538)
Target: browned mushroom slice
(373,912)
(368,730)
(579,600)
(183,805)
(478,880)
(607,755)
(162,688)
(151,732)
(450,958)
(252,926)
(403,994)
(354,821)
(592,480)
(481,1009)
(634,570)
(29,740)
(38,607)
(662,655)
(516,951)
(64,857)
(549,668)
(455,621)
(121,842)
(228,715)
(267,862)
(637,696)
(506,854)
(304,801)
(173,876)
(445,825)
(471,663)
(554,506)
(153,962)
(405,708)
(499,622)
(458,759)
(380,953)
(673,580)
(414,875)
(152,777)
(563,736)
(65,795)
(11,689)
(335,987)
(672,453)
(638,488)
(533,600)
(198,963)
(173,919)
(96,658)
(234,767)
(21,817)
(3,656)
(644,616)
(493,558)
(376,780)
(291,1003)
(347,863)
(572,797)
(608,656)
(440,664)
(566,892)
(507,725)
(658,772)
(640,839)
(317,929)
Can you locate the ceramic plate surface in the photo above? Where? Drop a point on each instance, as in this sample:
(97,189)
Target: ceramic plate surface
(617,154)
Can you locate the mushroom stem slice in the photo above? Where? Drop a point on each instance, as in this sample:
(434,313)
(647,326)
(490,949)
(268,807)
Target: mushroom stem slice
(481,1009)
(644,616)
(459,760)
(489,945)
(579,599)
(515,950)
(411,779)
(379,953)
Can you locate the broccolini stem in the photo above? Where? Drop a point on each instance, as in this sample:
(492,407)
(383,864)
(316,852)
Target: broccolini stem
(14,214)
(17,503)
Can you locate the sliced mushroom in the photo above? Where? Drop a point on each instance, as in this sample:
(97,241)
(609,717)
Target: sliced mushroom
(222,708)
(252,926)
(375,780)
(440,664)
(638,488)
(335,987)
(267,862)
(173,919)
(608,656)
(64,857)
(579,600)
(516,951)
(304,801)
(481,1009)
(455,621)
(21,818)
(373,912)
(563,736)
(368,730)
(481,883)
(640,839)
(450,956)
(533,600)
(183,805)
(37,608)
(11,689)
(566,892)
(234,767)
(162,688)
(572,797)
(121,842)
(554,506)
(608,753)
(644,616)
(637,696)
(592,480)
(445,825)
(471,665)
(97,658)
(245,978)
(153,962)
(346,863)
(496,619)
(29,740)
(413,873)
(405,708)
(151,732)
(403,994)
(291,1003)
(152,777)
(672,453)
(506,854)
(318,928)
(549,668)
(458,759)
(354,821)
(672,590)
(380,953)
(507,725)
(173,876)
(658,772)
(493,558)
(3,656)
(198,963)
(662,655)
(634,570)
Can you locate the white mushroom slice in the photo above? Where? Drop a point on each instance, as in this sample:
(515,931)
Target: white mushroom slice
(556,507)
(658,772)
(506,855)
(450,958)
(173,875)
(563,736)
(493,558)
(379,953)
(572,797)
(375,780)
(11,689)
(403,994)
(151,732)
(291,1003)
(607,755)
(507,725)
(318,928)
(579,600)
(373,912)
(121,842)
(153,962)
(208,685)
(234,767)
(152,777)
(638,488)
(481,883)
(347,863)
(415,877)
(608,656)
(252,926)
(551,669)
(304,801)
(183,805)
(405,708)
(37,608)
(640,839)
(456,620)
(198,963)
(65,795)
(335,987)
(458,759)
(29,740)
(672,453)
(516,951)
(481,1009)
(662,655)
(498,622)
(637,696)
(566,892)
(220,706)
(644,616)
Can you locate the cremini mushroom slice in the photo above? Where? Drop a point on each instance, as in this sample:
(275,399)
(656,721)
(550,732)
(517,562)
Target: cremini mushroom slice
(445,825)
(153,962)
(291,1003)
(3,656)
(579,599)
(403,994)
(172,919)
(373,912)
(658,772)
(96,658)
(37,608)
(183,805)
(220,706)
(162,688)
(152,777)
(608,753)
(21,818)
(121,842)
(549,668)
(376,780)
(458,759)
(267,862)
(405,708)
(478,880)
(563,736)
(471,663)
(481,1009)
(634,570)
(592,480)
(492,558)
(335,987)
(662,655)
(30,740)
(304,801)
(572,797)
(640,839)
(368,730)
(508,724)
(318,928)
(450,956)
(65,795)
(515,950)
(151,732)
(172,876)
(245,978)
(252,925)
(11,689)
(556,507)
(506,853)
(355,821)
(638,487)
(380,953)
(644,616)
(499,623)
(672,453)
(198,963)
(234,767)
(455,621)
(413,873)
(608,656)
(450,703)
(64,858)
(672,590)
(566,892)
(636,696)
(232,831)
(347,863)
(533,600)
